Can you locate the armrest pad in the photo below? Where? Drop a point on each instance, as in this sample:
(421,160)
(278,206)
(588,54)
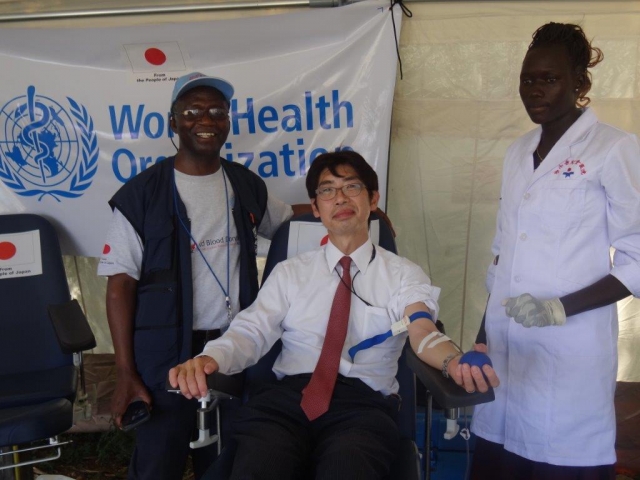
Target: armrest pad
(71,327)
(230,384)
(444,390)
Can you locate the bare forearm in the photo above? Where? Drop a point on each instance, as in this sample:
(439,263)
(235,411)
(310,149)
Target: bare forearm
(438,351)
(604,292)
(421,341)
(423,337)
(121,305)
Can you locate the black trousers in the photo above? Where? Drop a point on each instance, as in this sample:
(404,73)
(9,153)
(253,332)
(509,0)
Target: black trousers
(492,462)
(162,443)
(356,439)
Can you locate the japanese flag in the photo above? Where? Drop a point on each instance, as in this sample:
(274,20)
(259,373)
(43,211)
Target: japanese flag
(155,57)
(20,254)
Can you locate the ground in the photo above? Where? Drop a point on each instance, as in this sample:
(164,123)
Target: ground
(105,456)
(95,456)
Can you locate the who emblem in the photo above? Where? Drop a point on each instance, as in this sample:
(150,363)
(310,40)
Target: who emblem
(45,149)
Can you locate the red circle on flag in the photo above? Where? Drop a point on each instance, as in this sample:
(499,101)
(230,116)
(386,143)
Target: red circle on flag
(7,250)
(324,240)
(155,56)
(106,249)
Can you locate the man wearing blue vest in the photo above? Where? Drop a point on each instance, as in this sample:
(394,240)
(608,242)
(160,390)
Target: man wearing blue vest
(181,260)
(342,312)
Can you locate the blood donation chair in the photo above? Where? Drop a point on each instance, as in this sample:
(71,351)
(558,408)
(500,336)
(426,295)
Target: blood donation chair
(41,329)
(303,233)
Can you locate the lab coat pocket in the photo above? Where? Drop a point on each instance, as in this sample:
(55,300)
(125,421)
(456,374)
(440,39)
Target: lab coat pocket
(582,405)
(562,202)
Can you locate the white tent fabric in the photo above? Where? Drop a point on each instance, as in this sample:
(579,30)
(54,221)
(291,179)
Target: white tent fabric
(455,112)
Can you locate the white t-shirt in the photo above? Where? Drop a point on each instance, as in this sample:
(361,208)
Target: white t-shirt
(207,205)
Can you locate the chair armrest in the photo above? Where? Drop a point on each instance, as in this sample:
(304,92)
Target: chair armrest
(444,390)
(220,386)
(72,329)
(231,385)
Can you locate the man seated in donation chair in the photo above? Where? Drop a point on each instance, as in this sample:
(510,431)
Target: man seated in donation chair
(343,313)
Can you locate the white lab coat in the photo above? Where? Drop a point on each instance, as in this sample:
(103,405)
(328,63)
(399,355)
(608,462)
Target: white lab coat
(555,229)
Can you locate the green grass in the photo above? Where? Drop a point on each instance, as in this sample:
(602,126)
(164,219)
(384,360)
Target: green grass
(93,456)
(96,456)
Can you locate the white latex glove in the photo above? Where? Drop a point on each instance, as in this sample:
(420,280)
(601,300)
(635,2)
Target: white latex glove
(532,312)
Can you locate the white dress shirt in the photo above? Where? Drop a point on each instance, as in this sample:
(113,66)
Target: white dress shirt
(294,305)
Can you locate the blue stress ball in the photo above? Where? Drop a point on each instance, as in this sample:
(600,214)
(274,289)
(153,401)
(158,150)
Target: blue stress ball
(477,359)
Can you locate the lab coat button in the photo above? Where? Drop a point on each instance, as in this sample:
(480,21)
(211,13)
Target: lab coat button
(517,278)
(523,236)
(527,196)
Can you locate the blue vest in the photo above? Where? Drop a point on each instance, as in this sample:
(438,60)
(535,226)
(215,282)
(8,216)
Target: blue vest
(164,309)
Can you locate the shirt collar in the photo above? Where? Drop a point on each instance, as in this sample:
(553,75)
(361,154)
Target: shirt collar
(361,257)
(576,133)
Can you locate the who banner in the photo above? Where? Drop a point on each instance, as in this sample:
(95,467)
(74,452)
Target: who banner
(84,110)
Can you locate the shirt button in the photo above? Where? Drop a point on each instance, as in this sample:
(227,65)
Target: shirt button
(527,196)
(523,236)
(518,278)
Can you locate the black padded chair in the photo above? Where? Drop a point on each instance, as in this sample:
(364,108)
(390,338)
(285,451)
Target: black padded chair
(297,236)
(40,329)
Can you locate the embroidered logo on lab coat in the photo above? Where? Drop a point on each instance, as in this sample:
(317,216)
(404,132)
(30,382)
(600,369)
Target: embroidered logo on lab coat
(570,169)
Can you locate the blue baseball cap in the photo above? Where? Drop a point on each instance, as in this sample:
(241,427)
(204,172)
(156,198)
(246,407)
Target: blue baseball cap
(197,79)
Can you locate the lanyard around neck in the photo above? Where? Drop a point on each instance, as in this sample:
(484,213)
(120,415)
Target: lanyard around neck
(353,290)
(186,229)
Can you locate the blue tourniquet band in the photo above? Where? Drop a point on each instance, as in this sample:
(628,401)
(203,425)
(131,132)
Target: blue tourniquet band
(378,339)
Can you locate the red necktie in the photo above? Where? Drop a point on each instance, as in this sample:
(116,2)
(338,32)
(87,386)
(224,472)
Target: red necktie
(317,394)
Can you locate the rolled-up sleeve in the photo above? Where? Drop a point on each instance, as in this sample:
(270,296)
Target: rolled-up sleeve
(621,180)
(415,287)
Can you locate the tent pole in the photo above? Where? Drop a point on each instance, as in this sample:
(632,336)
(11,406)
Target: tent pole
(230,5)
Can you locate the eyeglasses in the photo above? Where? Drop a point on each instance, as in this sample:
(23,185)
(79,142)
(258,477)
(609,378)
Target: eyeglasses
(215,114)
(349,190)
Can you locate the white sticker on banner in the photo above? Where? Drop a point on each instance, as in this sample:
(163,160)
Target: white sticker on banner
(20,255)
(153,62)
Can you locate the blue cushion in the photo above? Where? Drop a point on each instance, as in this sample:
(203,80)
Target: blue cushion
(24,424)
(34,387)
